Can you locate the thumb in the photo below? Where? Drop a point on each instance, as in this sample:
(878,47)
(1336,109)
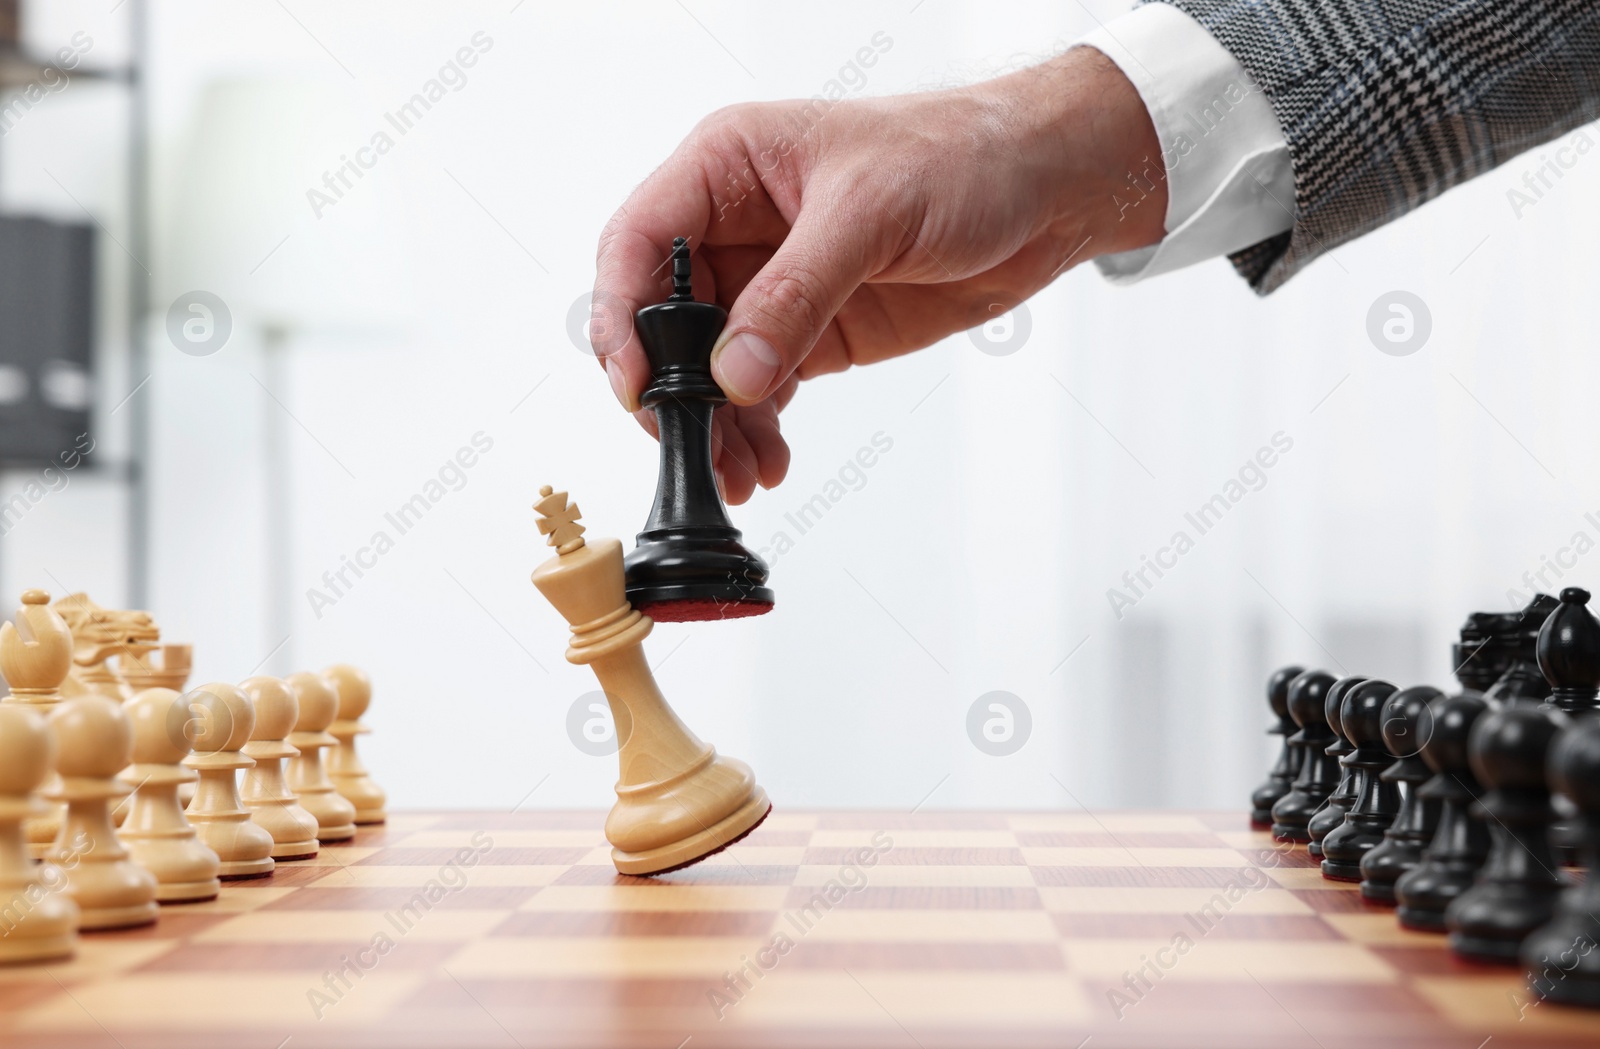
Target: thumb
(783,311)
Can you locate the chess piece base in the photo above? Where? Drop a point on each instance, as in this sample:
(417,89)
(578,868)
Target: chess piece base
(1421,920)
(365,796)
(236,869)
(1291,815)
(188,891)
(1341,871)
(1387,863)
(1576,990)
(334,815)
(1483,949)
(92,918)
(1377,892)
(16,950)
(1323,822)
(699,845)
(295,850)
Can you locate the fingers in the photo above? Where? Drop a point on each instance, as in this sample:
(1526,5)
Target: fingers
(748,450)
(630,265)
(787,305)
(759,425)
(737,468)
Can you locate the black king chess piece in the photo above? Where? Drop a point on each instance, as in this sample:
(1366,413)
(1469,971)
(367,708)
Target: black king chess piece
(690,562)
(1281,778)
(1460,843)
(1318,773)
(1569,655)
(1516,889)
(1331,812)
(1563,957)
(1407,723)
(1377,800)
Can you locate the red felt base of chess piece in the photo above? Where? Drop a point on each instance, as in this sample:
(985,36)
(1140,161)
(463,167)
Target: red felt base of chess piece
(703,610)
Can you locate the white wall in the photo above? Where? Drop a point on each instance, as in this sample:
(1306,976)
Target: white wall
(980,549)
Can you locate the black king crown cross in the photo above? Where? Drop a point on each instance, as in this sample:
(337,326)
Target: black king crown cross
(690,562)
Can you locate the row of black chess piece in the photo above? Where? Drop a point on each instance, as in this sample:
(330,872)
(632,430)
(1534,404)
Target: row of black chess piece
(1461,810)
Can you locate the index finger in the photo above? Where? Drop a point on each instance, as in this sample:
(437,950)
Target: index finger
(631,263)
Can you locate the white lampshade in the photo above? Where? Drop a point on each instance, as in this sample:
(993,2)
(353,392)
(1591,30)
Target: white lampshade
(239,222)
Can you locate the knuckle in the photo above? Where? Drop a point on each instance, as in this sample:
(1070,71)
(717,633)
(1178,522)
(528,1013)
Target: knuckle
(722,126)
(793,299)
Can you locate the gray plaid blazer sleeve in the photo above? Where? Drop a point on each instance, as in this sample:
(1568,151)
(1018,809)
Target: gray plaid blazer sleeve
(1388,103)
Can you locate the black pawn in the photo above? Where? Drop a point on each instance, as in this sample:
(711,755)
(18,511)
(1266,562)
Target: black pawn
(1516,889)
(1460,843)
(690,562)
(1318,773)
(1281,778)
(1377,800)
(1479,657)
(1331,812)
(1523,681)
(1407,722)
(1562,958)
(1569,655)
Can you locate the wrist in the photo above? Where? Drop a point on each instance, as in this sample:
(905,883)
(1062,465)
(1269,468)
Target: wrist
(1094,152)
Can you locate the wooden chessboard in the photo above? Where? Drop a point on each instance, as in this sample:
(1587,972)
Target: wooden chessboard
(974,929)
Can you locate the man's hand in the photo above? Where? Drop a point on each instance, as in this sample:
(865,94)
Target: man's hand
(850,232)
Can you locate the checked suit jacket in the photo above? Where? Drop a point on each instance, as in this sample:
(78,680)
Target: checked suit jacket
(1388,103)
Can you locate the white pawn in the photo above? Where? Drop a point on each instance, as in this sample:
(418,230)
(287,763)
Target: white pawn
(156,831)
(39,921)
(273,806)
(36,657)
(224,723)
(307,776)
(349,776)
(96,742)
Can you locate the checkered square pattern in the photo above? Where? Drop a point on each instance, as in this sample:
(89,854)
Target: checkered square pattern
(839,929)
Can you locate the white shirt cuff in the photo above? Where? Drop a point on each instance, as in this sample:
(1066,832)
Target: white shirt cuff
(1229,180)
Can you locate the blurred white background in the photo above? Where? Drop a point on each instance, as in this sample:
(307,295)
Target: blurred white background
(431,303)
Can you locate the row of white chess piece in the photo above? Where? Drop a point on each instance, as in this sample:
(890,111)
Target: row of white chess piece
(73,770)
